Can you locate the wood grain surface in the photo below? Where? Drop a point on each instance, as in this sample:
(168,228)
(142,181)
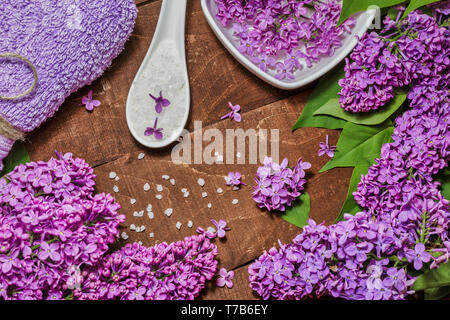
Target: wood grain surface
(103,139)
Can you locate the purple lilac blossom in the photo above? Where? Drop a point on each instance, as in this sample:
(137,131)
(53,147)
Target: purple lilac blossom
(52,222)
(277,186)
(402,54)
(279,34)
(234,115)
(225,278)
(160,102)
(404,222)
(175,271)
(324,148)
(157,132)
(89,102)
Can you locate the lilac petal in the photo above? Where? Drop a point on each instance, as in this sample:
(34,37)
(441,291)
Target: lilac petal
(90,106)
(223,272)
(149,131)
(237,117)
(96,103)
(7,266)
(158,107)
(220,233)
(165,102)
(330,153)
(220,282)
(418,264)
(158,134)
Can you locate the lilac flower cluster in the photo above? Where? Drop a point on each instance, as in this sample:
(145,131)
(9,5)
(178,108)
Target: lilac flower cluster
(52,225)
(280,34)
(346,260)
(277,186)
(405,52)
(175,271)
(404,222)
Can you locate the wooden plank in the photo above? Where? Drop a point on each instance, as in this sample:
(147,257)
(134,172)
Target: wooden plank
(103,139)
(253,230)
(215,79)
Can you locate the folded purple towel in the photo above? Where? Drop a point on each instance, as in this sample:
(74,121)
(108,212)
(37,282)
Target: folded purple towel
(69,42)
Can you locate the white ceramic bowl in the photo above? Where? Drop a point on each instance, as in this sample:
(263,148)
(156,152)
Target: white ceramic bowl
(305,75)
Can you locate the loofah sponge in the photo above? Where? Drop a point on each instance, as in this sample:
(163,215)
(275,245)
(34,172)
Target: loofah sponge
(69,44)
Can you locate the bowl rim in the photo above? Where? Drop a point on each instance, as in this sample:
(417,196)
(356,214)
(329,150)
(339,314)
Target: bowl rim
(335,59)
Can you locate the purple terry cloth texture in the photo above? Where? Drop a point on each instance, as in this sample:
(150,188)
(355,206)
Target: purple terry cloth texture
(70,42)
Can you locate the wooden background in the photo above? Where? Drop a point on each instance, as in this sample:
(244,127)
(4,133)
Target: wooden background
(103,139)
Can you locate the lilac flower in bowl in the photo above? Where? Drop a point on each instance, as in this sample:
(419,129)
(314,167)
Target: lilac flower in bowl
(237,33)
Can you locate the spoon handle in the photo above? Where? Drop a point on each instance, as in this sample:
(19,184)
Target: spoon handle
(171,21)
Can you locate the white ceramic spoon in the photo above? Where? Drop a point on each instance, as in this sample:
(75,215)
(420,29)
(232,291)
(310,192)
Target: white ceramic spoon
(163,69)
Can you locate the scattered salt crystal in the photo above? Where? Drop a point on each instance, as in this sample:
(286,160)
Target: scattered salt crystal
(201,182)
(238,154)
(165,177)
(146,187)
(220,190)
(190,224)
(152,235)
(137,229)
(204,194)
(172,182)
(140,243)
(209,205)
(142,228)
(112,175)
(235,201)
(235,188)
(132,227)
(141,156)
(168,212)
(116,178)
(132,201)
(219,158)
(149,207)
(186,194)
(150,215)
(159,187)
(116,189)
(158,196)
(184,190)
(124,235)
(178,225)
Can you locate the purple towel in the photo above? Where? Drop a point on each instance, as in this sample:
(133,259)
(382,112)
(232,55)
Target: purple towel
(70,43)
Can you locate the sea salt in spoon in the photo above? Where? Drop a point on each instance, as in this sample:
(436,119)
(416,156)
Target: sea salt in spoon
(163,69)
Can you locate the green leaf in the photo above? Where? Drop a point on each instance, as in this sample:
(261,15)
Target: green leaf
(359,145)
(16,156)
(435,278)
(298,213)
(350,205)
(350,7)
(327,88)
(444,178)
(415,4)
(436,293)
(333,108)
